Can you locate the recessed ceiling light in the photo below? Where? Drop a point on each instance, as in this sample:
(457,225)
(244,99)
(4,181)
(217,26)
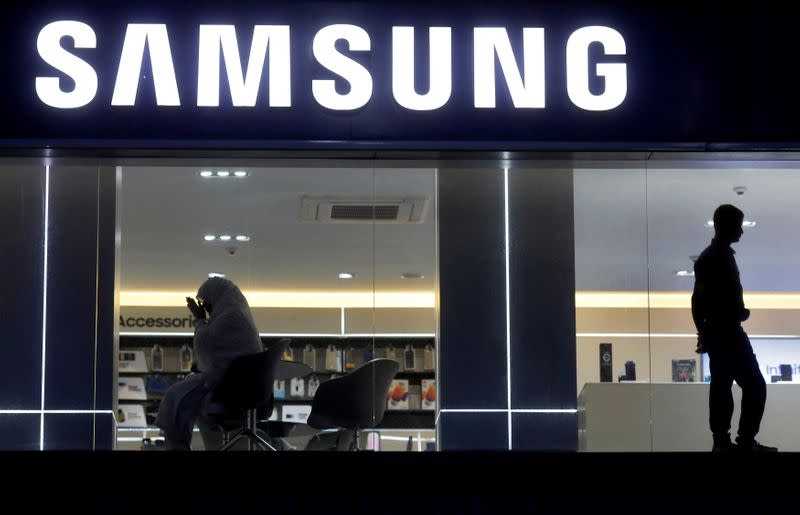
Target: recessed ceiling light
(346,275)
(242,237)
(745,223)
(685,273)
(412,275)
(225,237)
(223,174)
(209,237)
(206,173)
(212,274)
(240,173)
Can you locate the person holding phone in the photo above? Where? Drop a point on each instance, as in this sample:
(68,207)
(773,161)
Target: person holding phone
(224,330)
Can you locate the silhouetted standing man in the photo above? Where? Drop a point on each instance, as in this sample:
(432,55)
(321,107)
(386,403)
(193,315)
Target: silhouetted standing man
(718,311)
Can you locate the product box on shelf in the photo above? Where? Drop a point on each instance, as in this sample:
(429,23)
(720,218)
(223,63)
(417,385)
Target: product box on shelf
(398,395)
(131,389)
(295,413)
(297,387)
(684,370)
(279,390)
(133,361)
(429,394)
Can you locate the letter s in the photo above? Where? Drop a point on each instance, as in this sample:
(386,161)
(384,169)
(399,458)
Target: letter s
(49,46)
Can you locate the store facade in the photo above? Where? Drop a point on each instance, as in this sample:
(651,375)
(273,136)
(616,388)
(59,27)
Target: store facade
(537,120)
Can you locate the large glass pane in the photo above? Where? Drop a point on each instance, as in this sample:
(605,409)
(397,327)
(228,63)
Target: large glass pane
(613,345)
(298,244)
(403,321)
(682,199)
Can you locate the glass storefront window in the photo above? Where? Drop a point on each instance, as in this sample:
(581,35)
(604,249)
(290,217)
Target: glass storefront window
(682,198)
(344,258)
(639,229)
(340,259)
(612,321)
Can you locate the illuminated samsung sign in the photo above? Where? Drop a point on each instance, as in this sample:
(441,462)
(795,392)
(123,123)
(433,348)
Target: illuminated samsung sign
(523,72)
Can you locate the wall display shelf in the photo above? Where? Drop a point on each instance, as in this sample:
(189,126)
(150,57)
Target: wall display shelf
(331,357)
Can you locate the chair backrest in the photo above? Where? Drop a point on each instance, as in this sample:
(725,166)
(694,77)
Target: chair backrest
(247,383)
(356,400)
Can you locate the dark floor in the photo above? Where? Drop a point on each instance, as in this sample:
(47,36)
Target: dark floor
(403,483)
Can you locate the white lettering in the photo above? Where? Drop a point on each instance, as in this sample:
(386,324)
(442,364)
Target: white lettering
(441,69)
(130,65)
(527,92)
(244,88)
(359,78)
(524,73)
(49,45)
(615,74)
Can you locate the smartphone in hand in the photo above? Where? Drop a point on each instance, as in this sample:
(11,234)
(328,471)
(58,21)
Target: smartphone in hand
(198,312)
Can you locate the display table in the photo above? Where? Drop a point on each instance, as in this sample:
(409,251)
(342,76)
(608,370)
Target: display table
(615,417)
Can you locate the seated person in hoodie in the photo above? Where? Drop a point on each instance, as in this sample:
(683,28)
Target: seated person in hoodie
(224,330)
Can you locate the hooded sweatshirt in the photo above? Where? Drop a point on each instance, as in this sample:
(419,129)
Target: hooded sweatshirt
(229,332)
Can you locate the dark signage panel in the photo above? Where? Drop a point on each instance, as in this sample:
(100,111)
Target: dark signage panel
(408,75)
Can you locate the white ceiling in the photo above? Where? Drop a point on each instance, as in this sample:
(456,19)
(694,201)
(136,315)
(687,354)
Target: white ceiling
(630,221)
(627,222)
(167,210)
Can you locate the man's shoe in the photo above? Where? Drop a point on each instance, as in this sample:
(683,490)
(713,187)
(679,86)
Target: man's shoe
(723,447)
(754,446)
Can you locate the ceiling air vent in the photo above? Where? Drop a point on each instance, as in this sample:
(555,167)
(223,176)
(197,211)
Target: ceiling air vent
(352,210)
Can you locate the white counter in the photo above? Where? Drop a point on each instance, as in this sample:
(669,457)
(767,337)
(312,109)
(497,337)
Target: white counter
(615,417)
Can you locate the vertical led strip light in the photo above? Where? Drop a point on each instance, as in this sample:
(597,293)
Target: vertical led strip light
(508,303)
(44,298)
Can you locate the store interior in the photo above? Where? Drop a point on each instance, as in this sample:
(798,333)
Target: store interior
(638,229)
(339,259)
